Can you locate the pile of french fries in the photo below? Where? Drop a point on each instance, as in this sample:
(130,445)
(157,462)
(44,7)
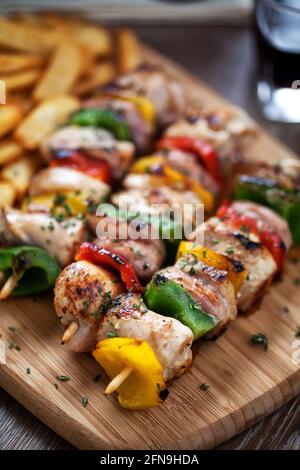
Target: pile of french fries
(48,62)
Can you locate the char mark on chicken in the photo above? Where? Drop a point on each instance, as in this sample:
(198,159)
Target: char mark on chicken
(258,261)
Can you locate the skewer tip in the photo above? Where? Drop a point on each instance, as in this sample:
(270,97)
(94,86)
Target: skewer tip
(69,332)
(8,287)
(117,381)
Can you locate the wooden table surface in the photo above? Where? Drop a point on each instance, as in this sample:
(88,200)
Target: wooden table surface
(226,58)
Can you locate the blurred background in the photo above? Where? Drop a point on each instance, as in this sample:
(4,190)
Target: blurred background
(246,49)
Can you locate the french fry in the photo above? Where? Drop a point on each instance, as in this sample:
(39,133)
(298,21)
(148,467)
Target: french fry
(9,151)
(20,172)
(55,21)
(27,18)
(128,51)
(8,194)
(20,80)
(10,63)
(88,62)
(44,119)
(63,71)
(27,37)
(95,38)
(10,116)
(102,74)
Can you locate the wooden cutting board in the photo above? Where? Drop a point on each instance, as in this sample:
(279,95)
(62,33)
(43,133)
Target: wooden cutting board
(246,383)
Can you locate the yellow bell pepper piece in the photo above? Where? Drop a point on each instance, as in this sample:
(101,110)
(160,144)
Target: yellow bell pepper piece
(142,378)
(73,203)
(205,196)
(217,260)
(144,165)
(171,176)
(144,105)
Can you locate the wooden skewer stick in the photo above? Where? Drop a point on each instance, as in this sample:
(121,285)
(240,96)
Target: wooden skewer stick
(8,287)
(115,383)
(70,331)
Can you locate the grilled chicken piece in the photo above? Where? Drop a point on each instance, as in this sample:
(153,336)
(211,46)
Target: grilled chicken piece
(258,261)
(266,218)
(145,256)
(56,179)
(285,172)
(171,340)
(141,130)
(225,130)
(133,242)
(138,195)
(166,94)
(98,143)
(161,200)
(208,286)
(83,292)
(60,240)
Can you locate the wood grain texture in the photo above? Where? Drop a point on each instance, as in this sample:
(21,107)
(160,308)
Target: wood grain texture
(246,383)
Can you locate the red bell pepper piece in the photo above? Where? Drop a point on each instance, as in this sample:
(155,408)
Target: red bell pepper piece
(202,149)
(270,239)
(101,256)
(91,166)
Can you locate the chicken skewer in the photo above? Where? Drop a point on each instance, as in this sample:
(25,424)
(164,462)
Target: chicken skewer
(175,157)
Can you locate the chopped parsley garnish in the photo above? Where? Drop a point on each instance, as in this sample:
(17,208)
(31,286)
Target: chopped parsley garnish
(59,199)
(204,386)
(85,401)
(27,371)
(192,270)
(111,334)
(94,314)
(229,250)
(260,339)
(63,378)
(297,333)
(245,228)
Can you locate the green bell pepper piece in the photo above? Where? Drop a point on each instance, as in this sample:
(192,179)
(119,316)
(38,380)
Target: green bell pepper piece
(101,117)
(267,192)
(35,268)
(167,297)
